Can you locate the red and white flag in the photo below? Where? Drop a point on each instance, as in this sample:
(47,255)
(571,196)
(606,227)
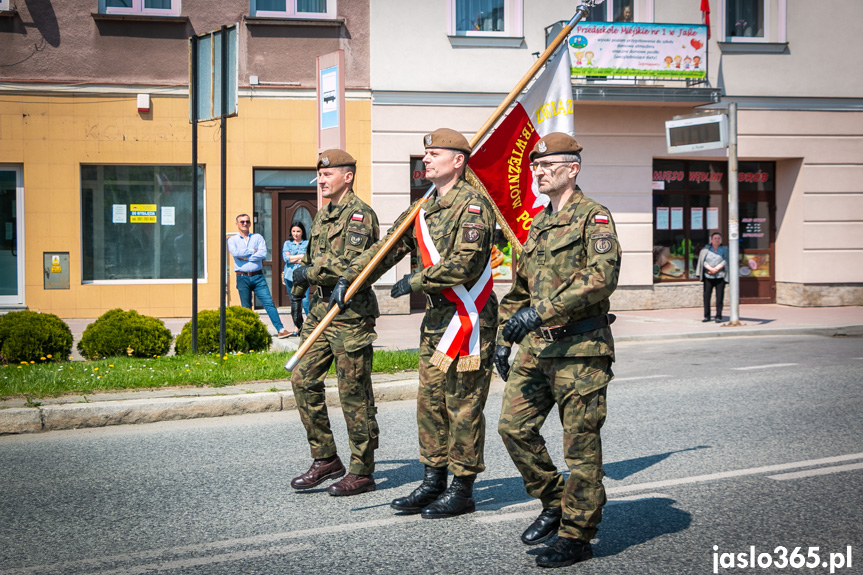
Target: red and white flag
(501,161)
(705,15)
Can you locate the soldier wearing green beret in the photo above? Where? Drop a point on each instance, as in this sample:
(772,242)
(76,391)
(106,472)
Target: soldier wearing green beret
(557,311)
(459,226)
(342,229)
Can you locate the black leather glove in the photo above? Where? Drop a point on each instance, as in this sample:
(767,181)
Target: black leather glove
(300,276)
(402,287)
(338,296)
(297,312)
(501,361)
(520,324)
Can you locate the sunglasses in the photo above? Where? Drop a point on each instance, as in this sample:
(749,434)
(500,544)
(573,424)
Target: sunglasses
(244,222)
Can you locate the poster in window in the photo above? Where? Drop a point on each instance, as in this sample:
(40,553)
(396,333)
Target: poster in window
(118,213)
(676,218)
(712,218)
(661,218)
(696,218)
(168,215)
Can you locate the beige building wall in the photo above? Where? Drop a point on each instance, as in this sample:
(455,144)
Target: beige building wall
(51,136)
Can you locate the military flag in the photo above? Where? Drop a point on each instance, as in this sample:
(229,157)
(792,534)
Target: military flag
(500,164)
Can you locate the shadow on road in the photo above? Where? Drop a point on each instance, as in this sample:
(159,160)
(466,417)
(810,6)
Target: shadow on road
(628,523)
(623,469)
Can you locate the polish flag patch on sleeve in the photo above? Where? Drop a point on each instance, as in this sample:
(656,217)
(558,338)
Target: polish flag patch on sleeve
(600,219)
(474,209)
(357,217)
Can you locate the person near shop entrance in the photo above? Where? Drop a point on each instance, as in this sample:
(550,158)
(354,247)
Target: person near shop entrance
(557,311)
(293,251)
(712,268)
(341,230)
(249,250)
(454,235)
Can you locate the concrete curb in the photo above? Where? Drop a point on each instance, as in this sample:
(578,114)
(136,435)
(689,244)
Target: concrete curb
(134,411)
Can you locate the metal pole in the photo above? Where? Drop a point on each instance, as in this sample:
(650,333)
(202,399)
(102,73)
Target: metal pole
(193,96)
(733,218)
(223,259)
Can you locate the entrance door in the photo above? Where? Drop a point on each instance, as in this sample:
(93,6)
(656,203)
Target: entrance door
(11,237)
(294,206)
(757,278)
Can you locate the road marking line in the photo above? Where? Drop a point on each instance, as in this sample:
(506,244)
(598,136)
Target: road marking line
(730,474)
(510,516)
(769,365)
(814,472)
(198,561)
(639,377)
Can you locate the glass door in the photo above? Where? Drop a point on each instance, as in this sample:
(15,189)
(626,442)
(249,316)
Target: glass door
(11,236)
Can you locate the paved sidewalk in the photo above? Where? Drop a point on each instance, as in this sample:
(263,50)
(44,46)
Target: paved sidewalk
(394,332)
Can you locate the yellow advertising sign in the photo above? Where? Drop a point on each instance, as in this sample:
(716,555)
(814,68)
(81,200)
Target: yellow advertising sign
(143,213)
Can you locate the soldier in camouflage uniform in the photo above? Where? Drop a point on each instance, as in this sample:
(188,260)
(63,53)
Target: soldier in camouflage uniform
(450,403)
(341,231)
(557,311)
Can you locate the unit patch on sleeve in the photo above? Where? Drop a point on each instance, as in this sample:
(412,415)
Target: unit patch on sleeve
(602,246)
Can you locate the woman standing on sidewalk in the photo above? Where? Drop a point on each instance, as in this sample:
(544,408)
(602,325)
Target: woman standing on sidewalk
(712,269)
(293,251)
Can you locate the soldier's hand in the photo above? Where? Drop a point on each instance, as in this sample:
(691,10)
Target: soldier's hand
(402,287)
(297,312)
(501,361)
(338,296)
(300,276)
(520,324)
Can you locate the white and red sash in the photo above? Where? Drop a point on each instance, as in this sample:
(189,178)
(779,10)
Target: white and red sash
(461,338)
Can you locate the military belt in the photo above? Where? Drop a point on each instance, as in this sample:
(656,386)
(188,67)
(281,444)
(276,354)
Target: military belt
(554,333)
(436,300)
(323,292)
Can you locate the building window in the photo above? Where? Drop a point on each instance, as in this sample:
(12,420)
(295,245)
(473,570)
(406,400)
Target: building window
(136,223)
(621,11)
(4,4)
(142,7)
(745,19)
(293,8)
(486,18)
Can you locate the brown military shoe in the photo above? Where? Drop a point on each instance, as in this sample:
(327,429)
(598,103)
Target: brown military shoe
(320,471)
(352,484)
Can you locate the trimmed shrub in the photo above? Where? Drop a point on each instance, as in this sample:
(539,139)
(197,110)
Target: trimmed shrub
(119,332)
(244,331)
(31,336)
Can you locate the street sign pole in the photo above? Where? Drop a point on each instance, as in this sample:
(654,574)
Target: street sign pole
(733,218)
(193,96)
(223,274)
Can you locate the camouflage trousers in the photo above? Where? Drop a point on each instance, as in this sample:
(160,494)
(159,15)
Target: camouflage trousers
(450,420)
(577,385)
(353,370)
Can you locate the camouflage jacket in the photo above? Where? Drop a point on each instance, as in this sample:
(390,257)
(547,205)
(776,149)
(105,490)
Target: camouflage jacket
(461,225)
(339,234)
(568,269)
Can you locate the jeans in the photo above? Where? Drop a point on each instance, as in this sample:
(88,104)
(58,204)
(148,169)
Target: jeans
(248,284)
(709,284)
(289,285)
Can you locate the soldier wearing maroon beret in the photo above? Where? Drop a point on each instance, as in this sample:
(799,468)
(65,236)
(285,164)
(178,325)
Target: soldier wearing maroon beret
(557,311)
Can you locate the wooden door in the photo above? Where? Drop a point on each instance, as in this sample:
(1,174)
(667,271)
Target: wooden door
(301,206)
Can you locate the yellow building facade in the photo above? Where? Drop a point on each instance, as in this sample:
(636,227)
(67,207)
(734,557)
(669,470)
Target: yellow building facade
(56,144)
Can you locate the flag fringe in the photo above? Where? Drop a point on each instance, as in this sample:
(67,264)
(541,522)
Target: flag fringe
(468,363)
(440,360)
(474,181)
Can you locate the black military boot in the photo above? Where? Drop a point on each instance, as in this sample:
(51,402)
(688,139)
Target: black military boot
(456,500)
(564,551)
(543,528)
(434,483)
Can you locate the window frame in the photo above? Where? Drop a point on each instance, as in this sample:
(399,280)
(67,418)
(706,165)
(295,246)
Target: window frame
(642,10)
(292,12)
(775,24)
(138,9)
(513,22)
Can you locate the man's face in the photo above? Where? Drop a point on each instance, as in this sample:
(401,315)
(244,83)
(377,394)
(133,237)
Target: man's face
(441,164)
(332,182)
(244,224)
(552,174)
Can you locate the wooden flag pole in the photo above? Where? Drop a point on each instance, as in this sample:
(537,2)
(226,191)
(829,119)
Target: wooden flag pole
(580,13)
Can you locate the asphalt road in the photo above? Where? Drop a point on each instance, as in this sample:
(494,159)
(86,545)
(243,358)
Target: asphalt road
(733,442)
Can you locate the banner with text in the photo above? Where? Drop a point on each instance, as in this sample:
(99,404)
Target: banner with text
(644,50)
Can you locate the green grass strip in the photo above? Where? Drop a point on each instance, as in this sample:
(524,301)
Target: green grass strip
(52,379)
